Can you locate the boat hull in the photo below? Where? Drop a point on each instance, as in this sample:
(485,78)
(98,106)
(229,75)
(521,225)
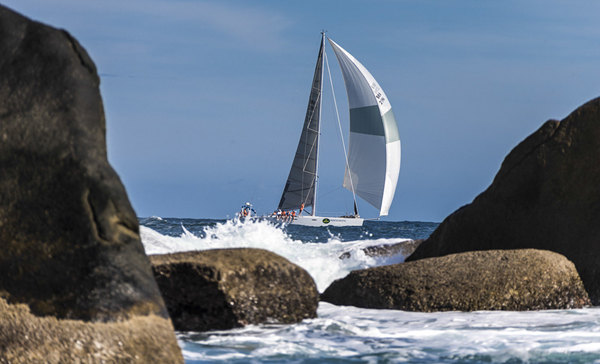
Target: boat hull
(319,221)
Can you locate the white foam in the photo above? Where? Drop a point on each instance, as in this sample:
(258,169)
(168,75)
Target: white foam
(321,260)
(347,334)
(339,332)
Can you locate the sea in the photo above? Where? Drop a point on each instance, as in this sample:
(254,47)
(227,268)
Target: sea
(344,334)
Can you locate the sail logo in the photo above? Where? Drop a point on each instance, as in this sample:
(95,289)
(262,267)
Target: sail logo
(326,221)
(375,86)
(377,92)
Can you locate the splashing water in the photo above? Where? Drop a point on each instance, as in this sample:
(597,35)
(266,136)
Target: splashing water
(322,260)
(349,335)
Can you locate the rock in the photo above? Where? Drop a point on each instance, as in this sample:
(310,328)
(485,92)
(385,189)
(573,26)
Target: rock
(69,238)
(545,196)
(404,248)
(26,338)
(226,288)
(486,280)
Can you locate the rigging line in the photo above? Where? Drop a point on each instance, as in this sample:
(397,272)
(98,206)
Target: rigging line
(340,140)
(330,192)
(323,53)
(341,133)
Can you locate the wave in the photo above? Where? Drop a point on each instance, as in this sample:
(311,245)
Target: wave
(325,262)
(344,334)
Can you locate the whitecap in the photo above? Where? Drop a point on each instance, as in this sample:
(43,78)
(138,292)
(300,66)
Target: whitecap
(322,260)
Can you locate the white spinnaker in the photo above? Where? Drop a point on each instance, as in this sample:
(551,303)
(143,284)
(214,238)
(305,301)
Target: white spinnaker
(374,144)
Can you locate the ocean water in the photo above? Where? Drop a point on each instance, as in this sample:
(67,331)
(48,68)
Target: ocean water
(354,335)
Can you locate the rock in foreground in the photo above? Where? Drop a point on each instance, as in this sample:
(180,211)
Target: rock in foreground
(25,338)
(489,280)
(69,238)
(70,250)
(402,250)
(545,196)
(227,288)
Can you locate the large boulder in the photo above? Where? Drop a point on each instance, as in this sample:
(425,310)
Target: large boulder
(69,238)
(226,288)
(26,338)
(545,196)
(487,280)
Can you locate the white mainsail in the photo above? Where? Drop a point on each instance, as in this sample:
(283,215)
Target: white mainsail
(374,143)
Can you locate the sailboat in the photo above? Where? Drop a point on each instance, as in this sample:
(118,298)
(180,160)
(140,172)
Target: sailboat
(373,157)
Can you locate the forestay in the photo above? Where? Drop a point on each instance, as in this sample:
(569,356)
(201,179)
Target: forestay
(374,142)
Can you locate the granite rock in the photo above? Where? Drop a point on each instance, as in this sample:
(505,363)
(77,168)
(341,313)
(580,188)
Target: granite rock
(545,196)
(226,288)
(71,258)
(485,280)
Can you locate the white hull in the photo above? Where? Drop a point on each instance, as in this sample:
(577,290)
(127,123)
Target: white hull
(326,221)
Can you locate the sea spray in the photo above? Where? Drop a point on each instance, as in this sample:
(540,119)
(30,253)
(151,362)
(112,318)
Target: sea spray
(325,261)
(349,335)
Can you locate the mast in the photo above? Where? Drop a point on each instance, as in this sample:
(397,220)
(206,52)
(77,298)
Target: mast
(322,53)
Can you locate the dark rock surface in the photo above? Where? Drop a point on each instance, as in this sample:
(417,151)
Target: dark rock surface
(487,280)
(227,288)
(69,238)
(26,338)
(545,196)
(404,248)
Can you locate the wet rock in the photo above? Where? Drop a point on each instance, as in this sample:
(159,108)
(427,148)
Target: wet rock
(227,288)
(486,280)
(404,248)
(545,196)
(26,338)
(69,238)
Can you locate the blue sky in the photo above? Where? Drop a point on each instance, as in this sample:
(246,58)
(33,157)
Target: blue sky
(204,100)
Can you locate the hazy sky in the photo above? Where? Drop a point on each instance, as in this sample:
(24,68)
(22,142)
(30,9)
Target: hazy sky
(205,100)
